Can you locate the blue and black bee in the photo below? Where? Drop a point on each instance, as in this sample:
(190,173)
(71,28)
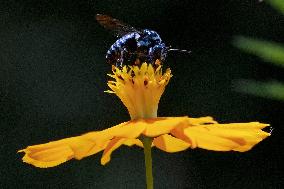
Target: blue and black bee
(134,46)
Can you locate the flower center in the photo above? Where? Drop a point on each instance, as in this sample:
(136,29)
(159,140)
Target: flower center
(139,88)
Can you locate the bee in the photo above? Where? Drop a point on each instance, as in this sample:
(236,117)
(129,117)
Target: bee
(133,46)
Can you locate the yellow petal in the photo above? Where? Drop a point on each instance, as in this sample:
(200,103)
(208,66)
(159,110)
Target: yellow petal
(48,158)
(113,145)
(161,125)
(54,153)
(124,130)
(200,121)
(131,142)
(224,137)
(116,143)
(178,132)
(169,143)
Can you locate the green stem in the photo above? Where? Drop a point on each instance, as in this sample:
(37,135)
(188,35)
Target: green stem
(147,142)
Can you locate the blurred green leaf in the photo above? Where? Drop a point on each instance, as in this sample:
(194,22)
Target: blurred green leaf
(277,4)
(268,51)
(272,89)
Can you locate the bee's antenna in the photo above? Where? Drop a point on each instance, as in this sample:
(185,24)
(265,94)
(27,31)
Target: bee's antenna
(178,50)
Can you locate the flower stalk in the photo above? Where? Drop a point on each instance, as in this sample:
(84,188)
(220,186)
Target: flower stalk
(147,143)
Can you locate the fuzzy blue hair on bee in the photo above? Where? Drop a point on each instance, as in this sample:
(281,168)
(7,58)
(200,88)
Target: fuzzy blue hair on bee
(133,46)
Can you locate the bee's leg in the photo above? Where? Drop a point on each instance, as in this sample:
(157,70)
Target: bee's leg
(120,60)
(150,55)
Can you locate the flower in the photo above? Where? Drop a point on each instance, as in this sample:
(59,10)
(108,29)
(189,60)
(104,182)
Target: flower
(140,89)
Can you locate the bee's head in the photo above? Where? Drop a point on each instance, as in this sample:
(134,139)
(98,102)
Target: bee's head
(159,52)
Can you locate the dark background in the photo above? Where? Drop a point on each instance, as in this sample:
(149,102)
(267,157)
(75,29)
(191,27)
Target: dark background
(53,75)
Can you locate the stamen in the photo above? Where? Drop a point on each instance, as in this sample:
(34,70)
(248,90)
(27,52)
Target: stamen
(140,88)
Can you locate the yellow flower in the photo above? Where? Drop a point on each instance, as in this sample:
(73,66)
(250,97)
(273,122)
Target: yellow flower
(140,89)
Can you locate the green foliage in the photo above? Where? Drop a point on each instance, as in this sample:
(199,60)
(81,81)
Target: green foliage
(268,51)
(270,89)
(277,4)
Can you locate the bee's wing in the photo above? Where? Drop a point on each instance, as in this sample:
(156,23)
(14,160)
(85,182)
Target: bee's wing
(117,27)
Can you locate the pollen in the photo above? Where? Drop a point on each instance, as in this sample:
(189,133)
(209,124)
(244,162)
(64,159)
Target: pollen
(139,88)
